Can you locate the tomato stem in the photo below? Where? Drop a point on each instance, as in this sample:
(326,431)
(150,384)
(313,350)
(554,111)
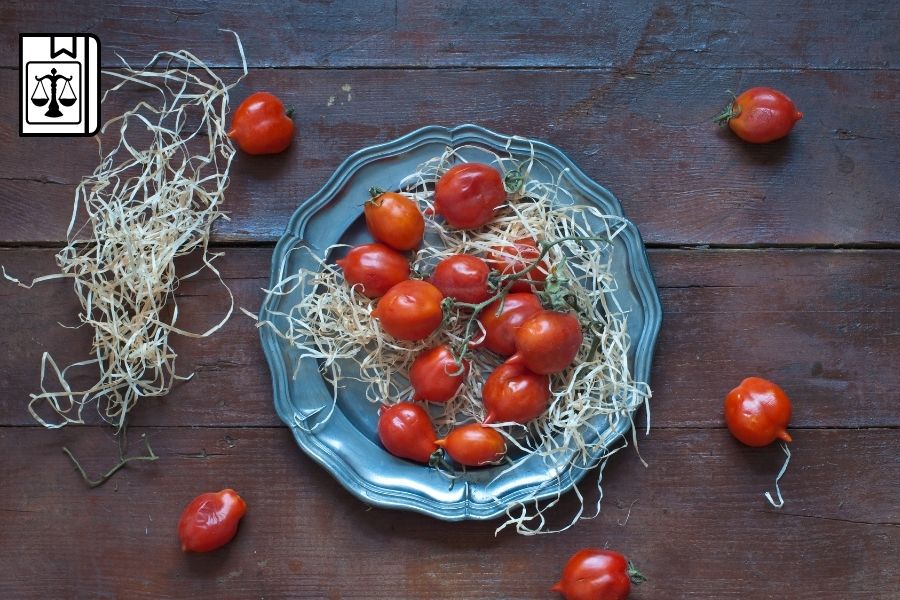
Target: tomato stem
(513,181)
(375,191)
(123,460)
(438,461)
(730,112)
(637,578)
(557,297)
(289,113)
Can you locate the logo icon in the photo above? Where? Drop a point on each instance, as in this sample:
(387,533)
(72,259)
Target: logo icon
(59,84)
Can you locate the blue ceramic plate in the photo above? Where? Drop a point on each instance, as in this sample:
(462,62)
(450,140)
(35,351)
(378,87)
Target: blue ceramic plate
(345,442)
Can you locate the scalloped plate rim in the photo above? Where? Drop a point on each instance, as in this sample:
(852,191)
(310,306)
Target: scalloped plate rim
(359,486)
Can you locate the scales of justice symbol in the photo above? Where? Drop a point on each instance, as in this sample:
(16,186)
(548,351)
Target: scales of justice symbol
(66,97)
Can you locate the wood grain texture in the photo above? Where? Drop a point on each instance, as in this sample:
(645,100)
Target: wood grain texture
(824,325)
(646,136)
(646,34)
(694,520)
(627,89)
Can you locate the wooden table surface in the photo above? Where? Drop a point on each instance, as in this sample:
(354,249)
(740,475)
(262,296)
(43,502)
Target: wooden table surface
(778,260)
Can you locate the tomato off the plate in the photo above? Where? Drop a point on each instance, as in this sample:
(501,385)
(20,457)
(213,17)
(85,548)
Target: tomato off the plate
(344,440)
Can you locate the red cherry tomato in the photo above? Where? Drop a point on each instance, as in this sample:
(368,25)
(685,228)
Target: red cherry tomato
(757,412)
(411,310)
(511,260)
(474,445)
(594,574)
(500,329)
(761,115)
(261,125)
(463,277)
(405,430)
(548,341)
(210,521)
(467,195)
(513,393)
(375,267)
(394,219)
(435,375)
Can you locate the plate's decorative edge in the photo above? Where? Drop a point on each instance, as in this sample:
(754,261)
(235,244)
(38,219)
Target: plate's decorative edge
(640,273)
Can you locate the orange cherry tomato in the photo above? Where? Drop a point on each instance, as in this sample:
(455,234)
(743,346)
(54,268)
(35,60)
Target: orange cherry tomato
(210,521)
(405,430)
(513,259)
(500,328)
(436,376)
(548,341)
(474,445)
(261,125)
(411,310)
(761,115)
(512,393)
(757,412)
(467,195)
(394,219)
(375,268)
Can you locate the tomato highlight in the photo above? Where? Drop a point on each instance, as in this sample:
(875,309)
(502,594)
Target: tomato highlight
(757,412)
(436,376)
(474,445)
(394,219)
(596,574)
(467,195)
(376,268)
(760,115)
(210,521)
(411,310)
(405,430)
(512,393)
(261,125)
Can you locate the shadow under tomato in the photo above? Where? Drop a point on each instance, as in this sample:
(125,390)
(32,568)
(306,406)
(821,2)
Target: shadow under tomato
(758,154)
(263,167)
(208,563)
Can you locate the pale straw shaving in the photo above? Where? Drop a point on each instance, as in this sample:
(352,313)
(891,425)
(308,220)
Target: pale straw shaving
(146,204)
(787,461)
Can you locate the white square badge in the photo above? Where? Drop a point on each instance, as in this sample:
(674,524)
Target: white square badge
(59,84)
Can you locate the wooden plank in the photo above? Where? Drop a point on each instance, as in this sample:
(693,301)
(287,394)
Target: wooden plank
(306,537)
(648,34)
(824,324)
(646,136)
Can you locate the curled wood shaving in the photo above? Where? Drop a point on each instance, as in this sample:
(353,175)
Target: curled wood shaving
(153,198)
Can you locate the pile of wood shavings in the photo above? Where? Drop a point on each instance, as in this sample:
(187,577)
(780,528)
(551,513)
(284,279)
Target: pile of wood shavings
(147,203)
(332,324)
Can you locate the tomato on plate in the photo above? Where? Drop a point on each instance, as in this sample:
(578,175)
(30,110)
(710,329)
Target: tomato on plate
(474,445)
(757,412)
(376,268)
(548,341)
(760,115)
(405,430)
(394,219)
(210,520)
(436,376)
(261,125)
(595,574)
(500,327)
(411,310)
(462,277)
(515,258)
(512,393)
(467,195)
